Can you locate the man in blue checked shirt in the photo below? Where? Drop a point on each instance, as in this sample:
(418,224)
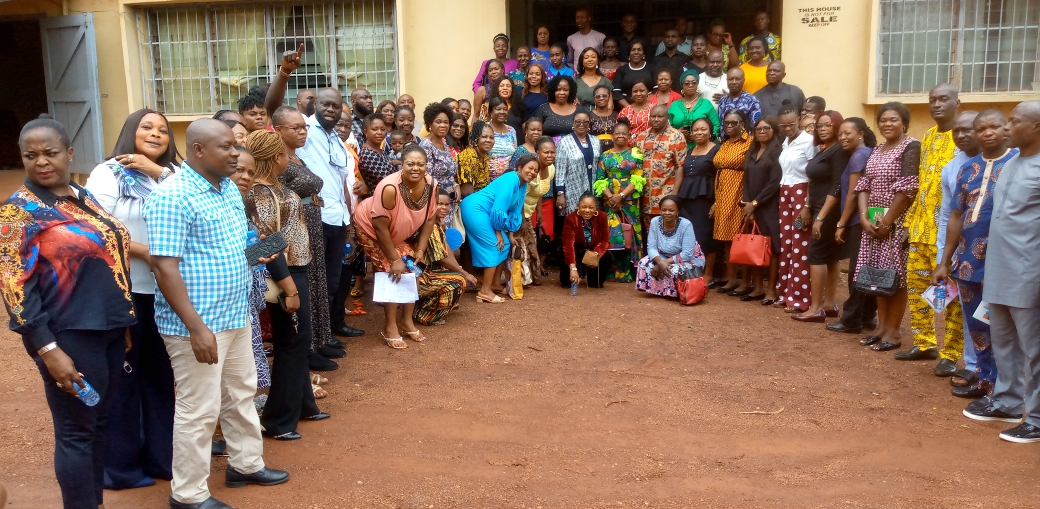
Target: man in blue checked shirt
(196,238)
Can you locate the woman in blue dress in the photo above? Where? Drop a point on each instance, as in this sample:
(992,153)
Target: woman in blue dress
(491,216)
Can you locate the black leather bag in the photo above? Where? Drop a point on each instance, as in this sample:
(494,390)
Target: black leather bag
(879,282)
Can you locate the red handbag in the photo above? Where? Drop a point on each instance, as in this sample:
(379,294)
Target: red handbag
(626,230)
(691,287)
(750,248)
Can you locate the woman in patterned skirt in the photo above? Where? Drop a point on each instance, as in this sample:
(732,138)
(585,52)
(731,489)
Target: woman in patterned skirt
(889,183)
(729,192)
(619,182)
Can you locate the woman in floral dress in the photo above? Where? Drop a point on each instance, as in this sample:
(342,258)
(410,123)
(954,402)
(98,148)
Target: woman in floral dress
(619,182)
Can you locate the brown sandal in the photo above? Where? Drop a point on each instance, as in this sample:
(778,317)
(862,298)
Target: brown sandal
(395,343)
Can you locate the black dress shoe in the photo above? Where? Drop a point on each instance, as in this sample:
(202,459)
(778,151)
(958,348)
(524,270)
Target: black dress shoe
(974,391)
(945,368)
(918,354)
(715,283)
(320,416)
(749,298)
(318,363)
(840,327)
(347,331)
(284,437)
(263,477)
(209,503)
(330,353)
(219,449)
(337,343)
(741,293)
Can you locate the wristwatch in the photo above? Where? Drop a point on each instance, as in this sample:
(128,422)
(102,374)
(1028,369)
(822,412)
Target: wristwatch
(817,220)
(754,203)
(839,225)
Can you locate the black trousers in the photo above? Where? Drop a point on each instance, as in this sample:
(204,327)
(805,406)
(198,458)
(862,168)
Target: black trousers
(79,430)
(335,241)
(290,397)
(355,269)
(595,277)
(140,430)
(859,308)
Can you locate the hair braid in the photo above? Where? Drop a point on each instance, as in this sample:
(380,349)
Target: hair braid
(264,145)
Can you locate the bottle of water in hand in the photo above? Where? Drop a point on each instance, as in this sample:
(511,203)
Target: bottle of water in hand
(87,394)
(574,289)
(940,295)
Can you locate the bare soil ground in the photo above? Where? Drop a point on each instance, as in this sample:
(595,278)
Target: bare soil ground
(610,399)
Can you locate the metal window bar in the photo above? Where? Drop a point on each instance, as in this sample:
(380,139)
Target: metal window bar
(981,46)
(204,58)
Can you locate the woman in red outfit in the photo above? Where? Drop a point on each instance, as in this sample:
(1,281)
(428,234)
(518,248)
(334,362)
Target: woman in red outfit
(585,230)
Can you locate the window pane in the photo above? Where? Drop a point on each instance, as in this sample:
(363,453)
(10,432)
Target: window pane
(916,44)
(205,59)
(1000,45)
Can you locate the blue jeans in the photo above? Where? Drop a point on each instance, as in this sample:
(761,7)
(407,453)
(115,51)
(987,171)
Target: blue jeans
(79,430)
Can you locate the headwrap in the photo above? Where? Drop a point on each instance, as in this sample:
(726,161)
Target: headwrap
(689,72)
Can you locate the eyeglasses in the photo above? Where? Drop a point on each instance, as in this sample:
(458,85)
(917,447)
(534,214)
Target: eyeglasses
(763,129)
(299,129)
(731,123)
(809,127)
(582,122)
(789,124)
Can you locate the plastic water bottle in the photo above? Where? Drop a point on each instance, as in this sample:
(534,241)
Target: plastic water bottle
(347,250)
(410,264)
(87,394)
(251,237)
(574,289)
(940,295)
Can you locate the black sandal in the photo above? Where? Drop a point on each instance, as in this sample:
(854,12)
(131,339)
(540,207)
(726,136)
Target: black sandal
(885,346)
(768,302)
(869,340)
(749,298)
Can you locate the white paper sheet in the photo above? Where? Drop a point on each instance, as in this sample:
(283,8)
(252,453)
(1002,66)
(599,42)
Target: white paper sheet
(405,291)
(982,313)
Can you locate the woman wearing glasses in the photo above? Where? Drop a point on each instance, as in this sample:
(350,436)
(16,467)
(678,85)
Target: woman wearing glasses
(729,191)
(577,159)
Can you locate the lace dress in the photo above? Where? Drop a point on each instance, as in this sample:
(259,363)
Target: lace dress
(305,183)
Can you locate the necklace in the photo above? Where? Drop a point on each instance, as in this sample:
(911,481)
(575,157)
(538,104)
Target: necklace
(668,233)
(407,195)
(710,85)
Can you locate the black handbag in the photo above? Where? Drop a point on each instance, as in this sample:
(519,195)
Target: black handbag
(879,282)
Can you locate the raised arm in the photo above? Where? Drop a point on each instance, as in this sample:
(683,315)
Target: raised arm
(276,94)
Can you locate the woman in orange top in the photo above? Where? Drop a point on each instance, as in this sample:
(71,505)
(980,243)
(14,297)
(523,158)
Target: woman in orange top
(729,191)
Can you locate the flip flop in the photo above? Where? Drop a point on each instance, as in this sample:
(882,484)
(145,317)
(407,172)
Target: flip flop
(395,343)
(357,312)
(885,346)
(415,335)
(497,300)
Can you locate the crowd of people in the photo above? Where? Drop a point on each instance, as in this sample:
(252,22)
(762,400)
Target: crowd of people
(610,158)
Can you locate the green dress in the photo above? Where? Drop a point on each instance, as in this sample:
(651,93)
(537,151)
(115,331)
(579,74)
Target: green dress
(616,171)
(680,117)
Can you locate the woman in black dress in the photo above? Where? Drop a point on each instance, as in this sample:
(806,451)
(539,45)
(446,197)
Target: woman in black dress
(557,115)
(288,122)
(698,190)
(824,172)
(761,203)
(637,70)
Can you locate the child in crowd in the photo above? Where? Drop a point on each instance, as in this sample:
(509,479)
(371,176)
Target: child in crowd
(557,56)
(398,139)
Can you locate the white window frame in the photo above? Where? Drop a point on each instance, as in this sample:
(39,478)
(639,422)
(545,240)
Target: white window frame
(270,60)
(957,38)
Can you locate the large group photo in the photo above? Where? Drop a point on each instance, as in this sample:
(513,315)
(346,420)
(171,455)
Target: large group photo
(521,253)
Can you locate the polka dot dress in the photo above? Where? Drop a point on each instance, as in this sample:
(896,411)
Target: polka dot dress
(794,248)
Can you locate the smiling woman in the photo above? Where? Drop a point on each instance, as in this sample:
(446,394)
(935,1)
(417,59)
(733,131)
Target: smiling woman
(144,155)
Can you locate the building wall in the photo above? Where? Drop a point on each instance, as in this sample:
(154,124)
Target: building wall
(834,62)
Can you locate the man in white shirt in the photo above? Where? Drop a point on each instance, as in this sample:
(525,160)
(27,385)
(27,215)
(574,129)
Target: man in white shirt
(326,156)
(712,82)
(585,37)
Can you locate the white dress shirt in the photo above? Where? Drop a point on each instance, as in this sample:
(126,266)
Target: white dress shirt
(795,157)
(326,156)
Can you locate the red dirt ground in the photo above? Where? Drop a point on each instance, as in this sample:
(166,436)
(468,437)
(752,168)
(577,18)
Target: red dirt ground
(610,399)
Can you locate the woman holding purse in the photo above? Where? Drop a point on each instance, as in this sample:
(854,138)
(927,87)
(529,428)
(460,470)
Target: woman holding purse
(761,202)
(586,243)
(888,185)
(273,208)
(619,182)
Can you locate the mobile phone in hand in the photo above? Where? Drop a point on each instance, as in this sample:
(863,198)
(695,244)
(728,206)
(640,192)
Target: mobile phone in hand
(267,247)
